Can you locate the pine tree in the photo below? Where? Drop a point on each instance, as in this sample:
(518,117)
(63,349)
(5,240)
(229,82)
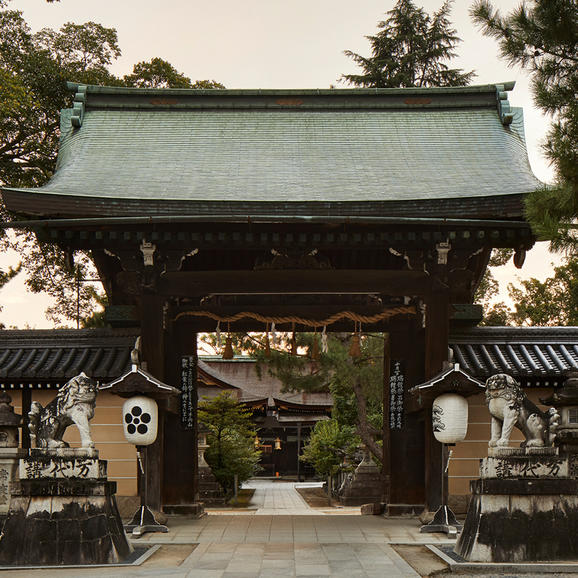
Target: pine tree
(542,37)
(410,49)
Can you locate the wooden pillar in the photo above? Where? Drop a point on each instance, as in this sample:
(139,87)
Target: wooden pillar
(152,354)
(180,473)
(407,445)
(436,352)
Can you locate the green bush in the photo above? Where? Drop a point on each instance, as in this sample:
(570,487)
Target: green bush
(330,447)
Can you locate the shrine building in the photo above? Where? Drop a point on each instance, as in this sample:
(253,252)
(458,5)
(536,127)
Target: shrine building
(312,209)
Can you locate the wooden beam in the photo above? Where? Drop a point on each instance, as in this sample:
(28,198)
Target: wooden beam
(395,283)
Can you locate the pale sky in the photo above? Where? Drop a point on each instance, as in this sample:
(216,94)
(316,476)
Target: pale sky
(269,44)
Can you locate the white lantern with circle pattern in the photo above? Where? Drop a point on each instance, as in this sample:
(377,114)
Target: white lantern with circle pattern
(450,418)
(140,420)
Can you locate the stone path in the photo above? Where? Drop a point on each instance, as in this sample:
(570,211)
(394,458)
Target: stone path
(282,536)
(280,498)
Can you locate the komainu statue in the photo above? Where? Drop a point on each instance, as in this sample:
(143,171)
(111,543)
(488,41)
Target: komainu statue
(510,407)
(74,404)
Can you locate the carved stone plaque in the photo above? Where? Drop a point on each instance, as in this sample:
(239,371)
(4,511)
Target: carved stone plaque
(83,468)
(525,467)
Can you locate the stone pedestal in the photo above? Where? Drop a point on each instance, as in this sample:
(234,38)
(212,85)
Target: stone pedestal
(63,511)
(524,508)
(210,491)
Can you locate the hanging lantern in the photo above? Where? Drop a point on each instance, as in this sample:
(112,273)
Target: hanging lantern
(228,351)
(140,420)
(278,443)
(355,347)
(257,442)
(450,418)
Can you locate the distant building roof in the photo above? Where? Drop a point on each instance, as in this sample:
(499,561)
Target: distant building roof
(241,374)
(438,152)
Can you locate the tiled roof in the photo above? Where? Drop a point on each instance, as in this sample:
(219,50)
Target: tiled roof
(241,373)
(151,152)
(40,358)
(37,358)
(533,355)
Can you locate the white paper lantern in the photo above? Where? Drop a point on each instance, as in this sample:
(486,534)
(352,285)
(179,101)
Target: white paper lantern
(450,418)
(140,416)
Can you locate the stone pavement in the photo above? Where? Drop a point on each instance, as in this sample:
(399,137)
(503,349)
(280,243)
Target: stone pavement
(282,536)
(279,498)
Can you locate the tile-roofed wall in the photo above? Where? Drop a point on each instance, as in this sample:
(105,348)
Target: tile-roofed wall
(539,356)
(40,358)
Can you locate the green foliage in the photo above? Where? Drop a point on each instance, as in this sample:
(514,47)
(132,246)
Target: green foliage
(552,302)
(356,385)
(410,49)
(34,68)
(542,37)
(331,447)
(494,314)
(231,440)
(540,303)
(158,73)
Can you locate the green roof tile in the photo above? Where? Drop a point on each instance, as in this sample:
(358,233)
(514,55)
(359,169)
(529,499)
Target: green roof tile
(356,146)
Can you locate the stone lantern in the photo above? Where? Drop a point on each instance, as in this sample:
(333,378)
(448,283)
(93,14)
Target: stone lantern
(10,454)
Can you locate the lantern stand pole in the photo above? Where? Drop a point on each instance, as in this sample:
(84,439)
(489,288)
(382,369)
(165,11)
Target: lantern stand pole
(143,520)
(444,519)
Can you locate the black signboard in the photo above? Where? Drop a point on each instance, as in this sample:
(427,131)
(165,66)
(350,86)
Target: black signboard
(396,395)
(188,391)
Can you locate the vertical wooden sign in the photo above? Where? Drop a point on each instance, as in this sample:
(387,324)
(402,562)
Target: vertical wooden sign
(188,391)
(396,395)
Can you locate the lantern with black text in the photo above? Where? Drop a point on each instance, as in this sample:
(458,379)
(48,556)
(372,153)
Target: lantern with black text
(140,420)
(450,418)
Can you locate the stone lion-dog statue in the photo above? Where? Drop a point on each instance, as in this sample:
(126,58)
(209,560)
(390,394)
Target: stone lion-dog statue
(510,407)
(74,404)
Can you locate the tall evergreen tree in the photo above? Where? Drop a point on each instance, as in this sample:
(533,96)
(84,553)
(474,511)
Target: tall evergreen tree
(410,49)
(542,37)
(34,68)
